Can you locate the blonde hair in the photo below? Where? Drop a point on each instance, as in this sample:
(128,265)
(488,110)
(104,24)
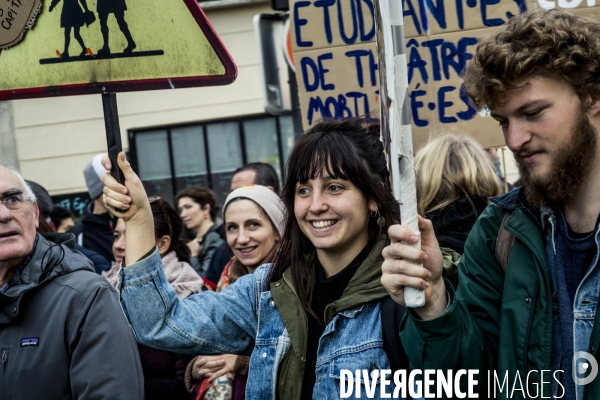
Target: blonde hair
(450,166)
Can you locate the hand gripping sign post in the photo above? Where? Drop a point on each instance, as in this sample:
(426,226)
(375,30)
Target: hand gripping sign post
(118,46)
(396,130)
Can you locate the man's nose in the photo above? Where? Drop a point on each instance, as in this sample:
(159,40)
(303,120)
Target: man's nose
(5,214)
(516,135)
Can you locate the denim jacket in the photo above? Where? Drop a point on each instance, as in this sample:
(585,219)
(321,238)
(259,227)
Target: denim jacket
(244,319)
(585,302)
(586,297)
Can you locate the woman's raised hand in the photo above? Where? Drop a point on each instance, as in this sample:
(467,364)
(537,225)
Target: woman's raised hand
(130,202)
(124,201)
(402,267)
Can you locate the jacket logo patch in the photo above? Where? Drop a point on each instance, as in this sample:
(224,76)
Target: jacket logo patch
(30,341)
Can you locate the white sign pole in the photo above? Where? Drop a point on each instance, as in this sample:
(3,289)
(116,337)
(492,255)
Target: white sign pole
(396,129)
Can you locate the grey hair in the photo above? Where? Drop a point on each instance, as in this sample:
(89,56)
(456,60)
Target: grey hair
(28,192)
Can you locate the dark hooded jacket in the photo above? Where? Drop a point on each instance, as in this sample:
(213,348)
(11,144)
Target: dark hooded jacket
(453,223)
(63,334)
(95,232)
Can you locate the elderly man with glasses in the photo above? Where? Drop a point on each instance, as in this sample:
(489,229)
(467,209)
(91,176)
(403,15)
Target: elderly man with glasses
(63,334)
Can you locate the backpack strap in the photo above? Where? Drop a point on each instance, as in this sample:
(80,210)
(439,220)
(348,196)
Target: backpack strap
(504,243)
(391,315)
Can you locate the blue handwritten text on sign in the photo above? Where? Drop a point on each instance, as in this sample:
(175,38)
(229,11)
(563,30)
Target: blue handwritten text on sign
(439,60)
(352,21)
(422,13)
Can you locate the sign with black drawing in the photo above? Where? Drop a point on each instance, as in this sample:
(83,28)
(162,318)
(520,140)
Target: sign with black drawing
(100,46)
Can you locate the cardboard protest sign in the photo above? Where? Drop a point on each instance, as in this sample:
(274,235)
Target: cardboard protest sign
(336,59)
(99,46)
(16,17)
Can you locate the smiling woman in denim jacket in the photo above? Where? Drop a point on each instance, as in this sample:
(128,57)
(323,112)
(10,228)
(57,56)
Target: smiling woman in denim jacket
(253,217)
(312,313)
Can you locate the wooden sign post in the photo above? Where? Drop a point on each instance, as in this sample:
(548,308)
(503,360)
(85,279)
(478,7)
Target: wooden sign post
(113,132)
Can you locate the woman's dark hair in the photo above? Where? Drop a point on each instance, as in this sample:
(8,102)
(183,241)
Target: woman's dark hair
(43,225)
(201,195)
(349,150)
(167,222)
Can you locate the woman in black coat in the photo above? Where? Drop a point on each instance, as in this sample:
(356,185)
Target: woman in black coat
(455,180)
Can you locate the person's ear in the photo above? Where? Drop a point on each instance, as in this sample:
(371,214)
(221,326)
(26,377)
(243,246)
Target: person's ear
(207,209)
(163,244)
(594,110)
(36,213)
(373,205)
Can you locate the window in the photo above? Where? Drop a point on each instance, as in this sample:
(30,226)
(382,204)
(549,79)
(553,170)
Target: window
(189,168)
(170,159)
(262,142)
(154,163)
(225,155)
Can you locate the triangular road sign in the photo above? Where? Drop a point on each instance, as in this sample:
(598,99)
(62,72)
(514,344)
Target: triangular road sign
(115,46)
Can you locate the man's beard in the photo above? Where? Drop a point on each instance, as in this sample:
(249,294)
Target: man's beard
(569,167)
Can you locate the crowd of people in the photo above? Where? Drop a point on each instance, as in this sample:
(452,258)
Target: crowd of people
(282,291)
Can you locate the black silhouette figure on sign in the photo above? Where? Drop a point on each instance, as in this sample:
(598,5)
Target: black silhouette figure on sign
(73,17)
(118,8)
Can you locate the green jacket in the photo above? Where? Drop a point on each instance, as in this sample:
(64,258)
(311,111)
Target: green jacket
(496,320)
(364,287)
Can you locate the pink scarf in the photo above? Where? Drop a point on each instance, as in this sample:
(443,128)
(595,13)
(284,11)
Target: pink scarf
(179,274)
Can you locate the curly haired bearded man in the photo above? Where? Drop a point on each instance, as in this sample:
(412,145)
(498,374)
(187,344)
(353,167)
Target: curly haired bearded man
(528,319)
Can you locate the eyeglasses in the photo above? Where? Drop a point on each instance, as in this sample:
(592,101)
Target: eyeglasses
(165,214)
(15,202)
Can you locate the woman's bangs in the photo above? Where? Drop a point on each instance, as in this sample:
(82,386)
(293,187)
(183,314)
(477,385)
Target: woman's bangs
(319,158)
